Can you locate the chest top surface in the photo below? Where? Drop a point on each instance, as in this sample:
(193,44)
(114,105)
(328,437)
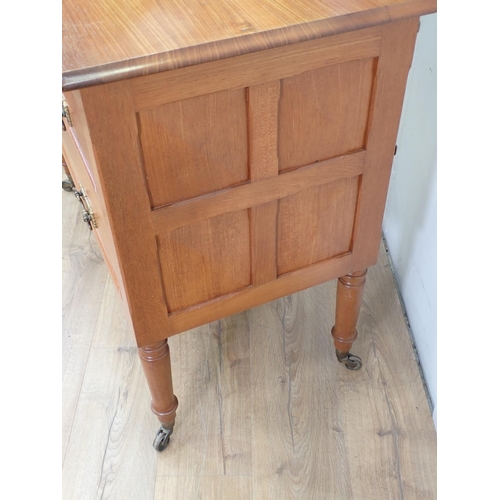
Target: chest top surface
(111,40)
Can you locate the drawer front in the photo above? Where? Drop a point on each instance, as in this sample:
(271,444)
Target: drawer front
(86,183)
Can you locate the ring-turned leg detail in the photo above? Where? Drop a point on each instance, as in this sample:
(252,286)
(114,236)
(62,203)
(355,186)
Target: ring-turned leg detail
(349,299)
(155,360)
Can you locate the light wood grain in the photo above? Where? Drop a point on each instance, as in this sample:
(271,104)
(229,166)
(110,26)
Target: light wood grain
(210,247)
(316,224)
(112,392)
(197,450)
(347,307)
(86,179)
(258,192)
(299,445)
(263,101)
(272,405)
(113,40)
(260,393)
(115,142)
(396,54)
(205,260)
(390,409)
(105,464)
(263,230)
(232,303)
(324,113)
(200,488)
(80,134)
(83,268)
(195,146)
(252,69)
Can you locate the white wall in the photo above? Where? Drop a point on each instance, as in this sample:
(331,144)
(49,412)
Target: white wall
(410,217)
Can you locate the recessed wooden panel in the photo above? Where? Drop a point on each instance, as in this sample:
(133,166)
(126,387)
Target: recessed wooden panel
(324,113)
(195,146)
(316,224)
(205,260)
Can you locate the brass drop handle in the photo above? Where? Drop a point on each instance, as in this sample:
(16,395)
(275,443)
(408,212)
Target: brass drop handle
(66,114)
(88,215)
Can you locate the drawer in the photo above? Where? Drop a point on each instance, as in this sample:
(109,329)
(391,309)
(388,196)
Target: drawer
(87,184)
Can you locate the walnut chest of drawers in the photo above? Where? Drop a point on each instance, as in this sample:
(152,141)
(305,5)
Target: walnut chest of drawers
(228,153)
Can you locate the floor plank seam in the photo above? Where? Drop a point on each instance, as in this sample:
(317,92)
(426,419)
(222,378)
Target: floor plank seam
(88,353)
(395,435)
(219,395)
(287,366)
(252,405)
(106,447)
(204,422)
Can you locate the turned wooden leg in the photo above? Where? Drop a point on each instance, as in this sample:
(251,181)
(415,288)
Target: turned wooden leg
(349,299)
(155,360)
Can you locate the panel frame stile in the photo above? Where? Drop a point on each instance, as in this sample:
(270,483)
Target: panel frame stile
(263,109)
(113,130)
(393,65)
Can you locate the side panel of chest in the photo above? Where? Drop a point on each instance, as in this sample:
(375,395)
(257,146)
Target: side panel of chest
(252,177)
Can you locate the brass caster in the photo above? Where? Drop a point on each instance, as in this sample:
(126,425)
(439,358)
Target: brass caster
(162,438)
(67,185)
(350,361)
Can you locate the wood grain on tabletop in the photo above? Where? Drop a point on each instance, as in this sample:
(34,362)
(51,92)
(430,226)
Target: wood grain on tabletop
(265,409)
(111,40)
(255,68)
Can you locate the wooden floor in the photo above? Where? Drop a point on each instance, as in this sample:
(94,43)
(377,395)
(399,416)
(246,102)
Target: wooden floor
(265,410)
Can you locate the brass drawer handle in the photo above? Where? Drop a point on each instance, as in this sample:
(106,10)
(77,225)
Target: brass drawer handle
(88,215)
(66,114)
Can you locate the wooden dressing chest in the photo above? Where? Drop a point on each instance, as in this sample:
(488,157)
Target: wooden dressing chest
(228,153)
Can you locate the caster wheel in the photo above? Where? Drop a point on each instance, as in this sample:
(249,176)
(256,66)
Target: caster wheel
(350,361)
(67,185)
(162,439)
(353,362)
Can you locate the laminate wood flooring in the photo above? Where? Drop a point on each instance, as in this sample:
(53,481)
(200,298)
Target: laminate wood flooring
(265,410)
